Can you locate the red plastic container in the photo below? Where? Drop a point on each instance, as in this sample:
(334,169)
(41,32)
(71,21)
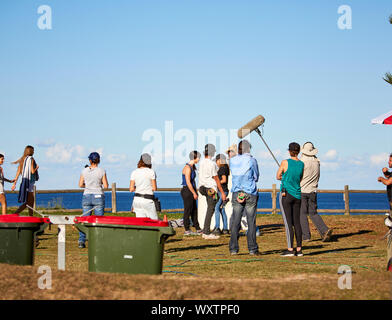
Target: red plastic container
(15,218)
(129,221)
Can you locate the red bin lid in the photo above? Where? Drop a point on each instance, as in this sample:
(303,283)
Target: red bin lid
(129,221)
(15,218)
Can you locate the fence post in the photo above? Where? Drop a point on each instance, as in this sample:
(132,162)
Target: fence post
(114,198)
(273,195)
(346,201)
(35,197)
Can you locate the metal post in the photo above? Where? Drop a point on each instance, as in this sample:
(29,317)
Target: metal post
(61,247)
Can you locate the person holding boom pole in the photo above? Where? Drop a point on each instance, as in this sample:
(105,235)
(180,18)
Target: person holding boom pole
(245,172)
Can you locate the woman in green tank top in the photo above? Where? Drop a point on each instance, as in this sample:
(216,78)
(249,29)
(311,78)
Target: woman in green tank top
(290,173)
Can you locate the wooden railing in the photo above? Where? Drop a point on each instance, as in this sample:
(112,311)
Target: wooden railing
(274,192)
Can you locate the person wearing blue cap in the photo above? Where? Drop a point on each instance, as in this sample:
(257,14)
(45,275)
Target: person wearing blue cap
(93,180)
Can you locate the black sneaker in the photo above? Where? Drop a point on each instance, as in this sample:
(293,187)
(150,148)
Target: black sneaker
(217,232)
(327,235)
(255,253)
(225,231)
(288,253)
(82,245)
(299,253)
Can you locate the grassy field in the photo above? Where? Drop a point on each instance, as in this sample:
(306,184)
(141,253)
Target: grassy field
(195,268)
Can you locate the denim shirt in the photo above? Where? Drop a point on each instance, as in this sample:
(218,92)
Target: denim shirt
(245,173)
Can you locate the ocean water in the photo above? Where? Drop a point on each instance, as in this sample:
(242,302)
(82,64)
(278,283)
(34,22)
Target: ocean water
(173,200)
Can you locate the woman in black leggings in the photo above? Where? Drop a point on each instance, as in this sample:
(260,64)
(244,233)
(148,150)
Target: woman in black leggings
(189,194)
(290,172)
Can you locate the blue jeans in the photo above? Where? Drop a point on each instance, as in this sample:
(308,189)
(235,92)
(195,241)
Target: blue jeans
(249,207)
(219,211)
(90,201)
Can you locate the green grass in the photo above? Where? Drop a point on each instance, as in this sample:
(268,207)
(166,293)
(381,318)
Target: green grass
(356,243)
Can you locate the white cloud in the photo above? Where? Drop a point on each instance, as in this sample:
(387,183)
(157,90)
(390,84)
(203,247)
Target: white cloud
(358,160)
(331,166)
(379,159)
(331,154)
(115,158)
(60,153)
(267,156)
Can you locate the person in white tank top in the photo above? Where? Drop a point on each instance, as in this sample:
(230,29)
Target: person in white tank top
(143,182)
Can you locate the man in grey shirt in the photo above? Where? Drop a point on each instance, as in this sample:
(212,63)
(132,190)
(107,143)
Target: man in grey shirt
(309,184)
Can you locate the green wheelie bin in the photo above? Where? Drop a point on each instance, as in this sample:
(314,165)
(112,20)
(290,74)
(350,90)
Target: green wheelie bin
(124,244)
(17,235)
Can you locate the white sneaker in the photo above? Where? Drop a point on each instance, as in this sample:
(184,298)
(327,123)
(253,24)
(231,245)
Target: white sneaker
(210,236)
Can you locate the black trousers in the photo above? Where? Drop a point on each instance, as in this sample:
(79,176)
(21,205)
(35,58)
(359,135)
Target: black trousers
(190,209)
(291,212)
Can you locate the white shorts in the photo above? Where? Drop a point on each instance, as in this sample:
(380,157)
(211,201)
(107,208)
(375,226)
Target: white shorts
(144,208)
(1,188)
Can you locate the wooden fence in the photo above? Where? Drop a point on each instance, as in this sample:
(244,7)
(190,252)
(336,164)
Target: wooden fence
(273,191)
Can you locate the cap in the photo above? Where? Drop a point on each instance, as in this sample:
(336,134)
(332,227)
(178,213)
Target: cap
(146,158)
(94,156)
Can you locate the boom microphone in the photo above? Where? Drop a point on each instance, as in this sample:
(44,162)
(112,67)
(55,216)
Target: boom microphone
(250,126)
(254,125)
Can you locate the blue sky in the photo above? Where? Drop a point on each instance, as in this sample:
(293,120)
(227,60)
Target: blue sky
(110,70)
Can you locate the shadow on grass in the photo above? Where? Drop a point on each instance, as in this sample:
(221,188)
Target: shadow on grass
(336,237)
(47,237)
(281,250)
(172,240)
(335,250)
(271,228)
(206,246)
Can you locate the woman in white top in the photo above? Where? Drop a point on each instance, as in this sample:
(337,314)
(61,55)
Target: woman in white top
(143,183)
(93,180)
(28,169)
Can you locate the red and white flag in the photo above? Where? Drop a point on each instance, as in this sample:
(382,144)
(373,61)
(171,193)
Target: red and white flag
(384,119)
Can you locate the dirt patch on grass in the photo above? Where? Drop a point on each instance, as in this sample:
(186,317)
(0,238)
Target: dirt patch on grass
(83,285)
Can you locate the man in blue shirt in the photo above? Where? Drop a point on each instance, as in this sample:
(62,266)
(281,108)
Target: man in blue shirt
(245,175)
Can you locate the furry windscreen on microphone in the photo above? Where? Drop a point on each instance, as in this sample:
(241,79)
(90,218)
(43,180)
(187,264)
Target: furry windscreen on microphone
(250,126)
